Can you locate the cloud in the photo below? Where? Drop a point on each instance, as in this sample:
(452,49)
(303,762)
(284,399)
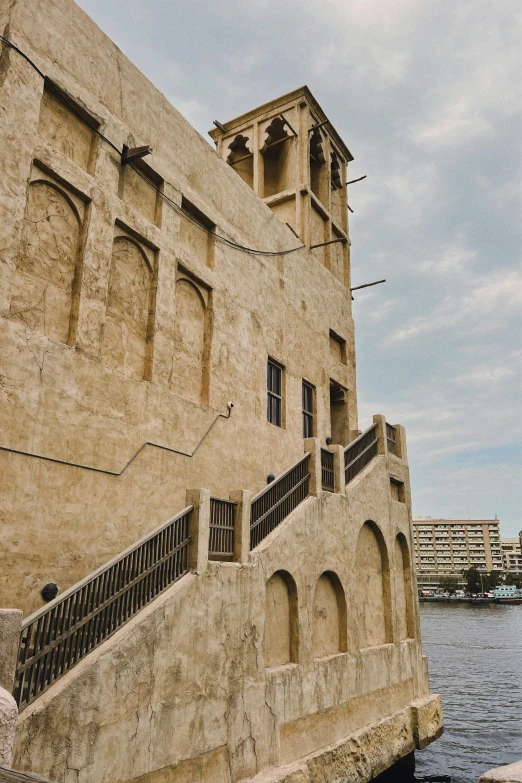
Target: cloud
(486,304)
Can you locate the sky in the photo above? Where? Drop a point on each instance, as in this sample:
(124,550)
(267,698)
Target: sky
(426,95)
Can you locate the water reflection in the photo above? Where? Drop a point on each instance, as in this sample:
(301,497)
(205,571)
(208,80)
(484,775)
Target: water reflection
(432,779)
(475,657)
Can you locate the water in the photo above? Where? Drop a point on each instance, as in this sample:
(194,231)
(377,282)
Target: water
(475,657)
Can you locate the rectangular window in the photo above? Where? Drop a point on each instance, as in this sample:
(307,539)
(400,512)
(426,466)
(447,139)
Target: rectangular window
(308,410)
(274,383)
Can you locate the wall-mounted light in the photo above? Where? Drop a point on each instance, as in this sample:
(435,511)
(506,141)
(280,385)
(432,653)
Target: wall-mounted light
(270,478)
(328,441)
(50,591)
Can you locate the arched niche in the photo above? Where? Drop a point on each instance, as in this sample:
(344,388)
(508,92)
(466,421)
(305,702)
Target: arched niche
(187,376)
(126,329)
(47,277)
(277,158)
(281,620)
(241,159)
(404,588)
(373,603)
(328,617)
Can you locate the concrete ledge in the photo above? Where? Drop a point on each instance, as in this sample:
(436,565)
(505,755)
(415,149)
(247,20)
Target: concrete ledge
(512,773)
(364,754)
(427,720)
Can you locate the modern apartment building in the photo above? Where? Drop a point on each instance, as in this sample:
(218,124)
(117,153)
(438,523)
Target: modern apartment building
(447,547)
(511,550)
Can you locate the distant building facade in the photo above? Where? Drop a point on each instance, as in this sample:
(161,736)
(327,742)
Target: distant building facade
(512,553)
(447,547)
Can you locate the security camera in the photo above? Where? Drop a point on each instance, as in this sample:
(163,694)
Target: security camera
(230,405)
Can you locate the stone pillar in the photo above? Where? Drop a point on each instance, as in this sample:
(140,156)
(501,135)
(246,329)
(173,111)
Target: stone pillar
(339,480)
(199,528)
(313,445)
(10,630)
(8,716)
(242,524)
(382,443)
(402,450)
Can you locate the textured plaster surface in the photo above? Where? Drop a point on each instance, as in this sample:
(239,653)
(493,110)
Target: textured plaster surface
(103,343)
(187,677)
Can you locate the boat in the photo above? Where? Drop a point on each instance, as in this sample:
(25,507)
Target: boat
(508,594)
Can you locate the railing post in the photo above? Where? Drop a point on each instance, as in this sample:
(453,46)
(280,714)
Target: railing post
(382,443)
(241,497)
(339,480)
(10,630)
(402,451)
(199,528)
(313,445)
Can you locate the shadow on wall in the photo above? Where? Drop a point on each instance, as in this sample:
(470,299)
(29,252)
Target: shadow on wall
(404,589)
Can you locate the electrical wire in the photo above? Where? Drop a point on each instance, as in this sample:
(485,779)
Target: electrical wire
(169,201)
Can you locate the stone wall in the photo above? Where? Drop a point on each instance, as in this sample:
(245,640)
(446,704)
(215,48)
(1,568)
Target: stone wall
(121,322)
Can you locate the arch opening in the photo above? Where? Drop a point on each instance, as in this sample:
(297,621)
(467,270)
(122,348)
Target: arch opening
(318,170)
(241,159)
(276,158)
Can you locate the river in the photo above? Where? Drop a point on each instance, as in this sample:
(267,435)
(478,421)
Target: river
(475,663)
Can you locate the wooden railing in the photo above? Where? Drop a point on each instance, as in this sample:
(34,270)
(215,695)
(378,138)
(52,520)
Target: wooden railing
(327,470)
(59,635)
(222,523)
(276,501)
(391,437)
(359,453)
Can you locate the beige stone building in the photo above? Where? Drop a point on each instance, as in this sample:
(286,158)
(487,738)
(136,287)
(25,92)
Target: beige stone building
(175,332)
(511,549)
(447,547)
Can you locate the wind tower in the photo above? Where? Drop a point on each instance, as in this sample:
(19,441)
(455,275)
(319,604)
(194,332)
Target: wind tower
(289,153)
